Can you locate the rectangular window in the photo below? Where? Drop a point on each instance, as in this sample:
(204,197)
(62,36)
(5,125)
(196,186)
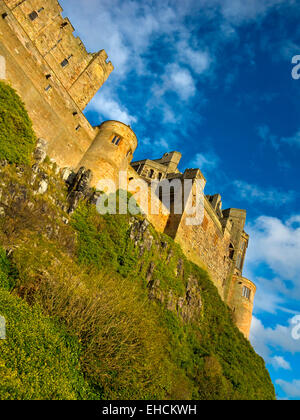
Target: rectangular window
(116,140)
(246,292)
(49,87)
(239,262)
(64,63)
(33,15)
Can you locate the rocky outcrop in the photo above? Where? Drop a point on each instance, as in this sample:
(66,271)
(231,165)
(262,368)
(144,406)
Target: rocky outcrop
(188,306)
(79,187)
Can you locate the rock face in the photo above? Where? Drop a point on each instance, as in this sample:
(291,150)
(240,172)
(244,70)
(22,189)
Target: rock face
(79,187)
(188,306)
(40,152)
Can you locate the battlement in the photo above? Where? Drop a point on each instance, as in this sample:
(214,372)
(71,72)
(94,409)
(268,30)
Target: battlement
(219,244)
(80,73)
(56,77)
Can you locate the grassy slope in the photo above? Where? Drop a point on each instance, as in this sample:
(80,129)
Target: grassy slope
(85,327)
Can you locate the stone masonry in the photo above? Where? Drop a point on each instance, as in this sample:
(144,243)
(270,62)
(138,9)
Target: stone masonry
(57,77)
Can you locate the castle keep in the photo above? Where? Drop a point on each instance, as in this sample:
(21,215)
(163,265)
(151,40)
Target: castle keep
(56,78)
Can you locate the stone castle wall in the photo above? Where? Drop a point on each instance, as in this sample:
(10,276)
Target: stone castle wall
(54,95)
(56,78)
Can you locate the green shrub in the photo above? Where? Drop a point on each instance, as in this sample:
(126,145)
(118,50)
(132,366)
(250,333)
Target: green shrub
(37,359)
(17,138)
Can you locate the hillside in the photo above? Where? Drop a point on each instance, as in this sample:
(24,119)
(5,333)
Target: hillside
(103,307)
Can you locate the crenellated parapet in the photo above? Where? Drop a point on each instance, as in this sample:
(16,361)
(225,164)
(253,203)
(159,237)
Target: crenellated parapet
(81,73)
(219,243)
(57,77)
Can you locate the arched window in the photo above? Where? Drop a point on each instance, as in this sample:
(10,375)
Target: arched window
(151,173)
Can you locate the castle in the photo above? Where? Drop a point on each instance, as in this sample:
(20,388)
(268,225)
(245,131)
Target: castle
(56,78)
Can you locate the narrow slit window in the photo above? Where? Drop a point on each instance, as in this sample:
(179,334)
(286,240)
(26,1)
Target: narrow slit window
(239,262)
(231,251)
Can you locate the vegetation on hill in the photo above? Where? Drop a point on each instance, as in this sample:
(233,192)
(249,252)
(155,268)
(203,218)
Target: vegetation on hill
(17,138)
(86,303)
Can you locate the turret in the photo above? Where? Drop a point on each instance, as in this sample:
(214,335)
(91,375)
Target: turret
(171,160)
(111,151)
(240,300)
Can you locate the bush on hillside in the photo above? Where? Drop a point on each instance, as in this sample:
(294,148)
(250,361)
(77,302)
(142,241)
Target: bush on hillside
(17,139)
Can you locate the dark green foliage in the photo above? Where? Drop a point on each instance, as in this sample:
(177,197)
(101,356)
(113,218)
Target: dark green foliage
(8,272)
(17,138)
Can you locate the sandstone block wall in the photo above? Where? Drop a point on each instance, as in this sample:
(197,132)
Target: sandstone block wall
(56,77)
(81,73)
(56,116)
(240,303)
(207,245)
(107,157)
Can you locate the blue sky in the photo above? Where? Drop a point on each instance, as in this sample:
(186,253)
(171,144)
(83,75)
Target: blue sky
(212,79)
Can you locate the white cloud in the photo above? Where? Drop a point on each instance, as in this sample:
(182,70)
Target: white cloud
(273,196)
(205,161)
(277,244)
(199,60)
(292,389)
(175,79)
(264,132)
(109,108)
(180,80)
(241,11)
(293,140)
(266,340)
(156,147)
(278,362)
(129,32)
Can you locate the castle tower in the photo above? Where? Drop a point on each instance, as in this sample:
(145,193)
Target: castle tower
(80,73)
(241,300)
(50,68)
(111,151)
(240,291)
(171,161)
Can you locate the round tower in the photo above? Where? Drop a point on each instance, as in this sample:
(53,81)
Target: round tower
(111,151)
(241,300)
